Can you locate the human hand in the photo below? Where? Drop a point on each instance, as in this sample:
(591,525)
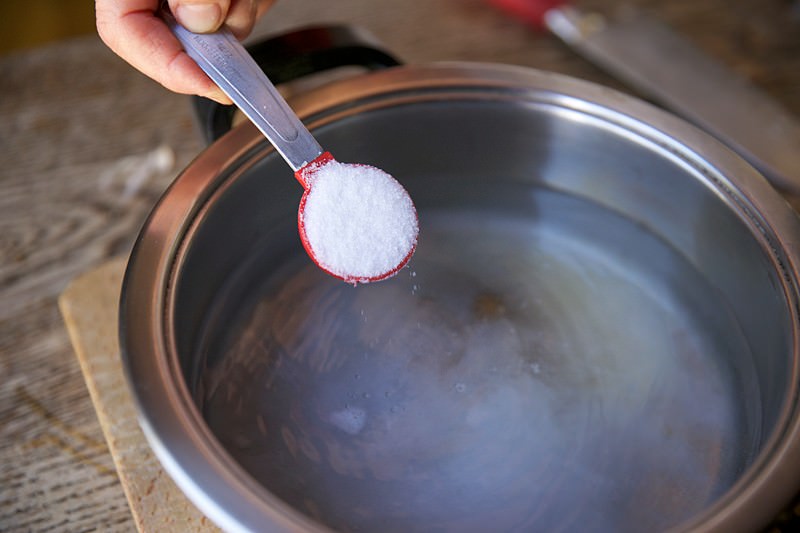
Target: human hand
(135,32)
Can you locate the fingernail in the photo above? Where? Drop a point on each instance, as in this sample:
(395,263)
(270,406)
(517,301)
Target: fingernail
(199,18)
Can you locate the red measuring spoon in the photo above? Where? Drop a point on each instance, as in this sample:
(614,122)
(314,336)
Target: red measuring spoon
(356,222)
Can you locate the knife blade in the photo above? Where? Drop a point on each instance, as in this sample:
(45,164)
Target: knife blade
(662,65)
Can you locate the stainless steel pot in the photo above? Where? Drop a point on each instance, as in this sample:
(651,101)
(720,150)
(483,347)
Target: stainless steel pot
(599,330)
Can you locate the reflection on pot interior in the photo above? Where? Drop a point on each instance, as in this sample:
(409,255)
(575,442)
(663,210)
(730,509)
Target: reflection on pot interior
(526,371)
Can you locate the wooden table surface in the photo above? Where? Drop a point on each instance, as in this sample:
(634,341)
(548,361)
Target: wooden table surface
(87,146)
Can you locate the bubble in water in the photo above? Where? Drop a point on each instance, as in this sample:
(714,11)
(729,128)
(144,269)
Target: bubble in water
(460,387)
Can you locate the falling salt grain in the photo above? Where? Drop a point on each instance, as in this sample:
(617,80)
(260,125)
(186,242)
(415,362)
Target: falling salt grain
(359,222)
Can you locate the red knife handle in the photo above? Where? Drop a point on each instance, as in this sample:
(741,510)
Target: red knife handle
(530,11)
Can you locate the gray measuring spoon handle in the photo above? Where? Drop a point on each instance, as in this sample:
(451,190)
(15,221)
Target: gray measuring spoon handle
(230,66)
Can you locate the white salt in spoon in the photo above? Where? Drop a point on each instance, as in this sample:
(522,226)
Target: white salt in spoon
(356,221)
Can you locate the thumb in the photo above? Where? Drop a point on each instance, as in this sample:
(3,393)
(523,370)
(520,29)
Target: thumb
(200,16)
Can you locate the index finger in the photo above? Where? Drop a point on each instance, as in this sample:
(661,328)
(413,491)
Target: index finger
(133,30)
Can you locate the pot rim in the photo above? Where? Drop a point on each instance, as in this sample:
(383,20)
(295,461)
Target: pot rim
(172,423)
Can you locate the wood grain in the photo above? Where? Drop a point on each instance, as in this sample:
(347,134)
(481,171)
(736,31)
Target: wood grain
(89,306)
(76,123)
(62,210)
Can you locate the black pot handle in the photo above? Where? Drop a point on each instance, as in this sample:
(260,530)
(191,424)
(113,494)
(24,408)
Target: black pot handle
(293,55)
